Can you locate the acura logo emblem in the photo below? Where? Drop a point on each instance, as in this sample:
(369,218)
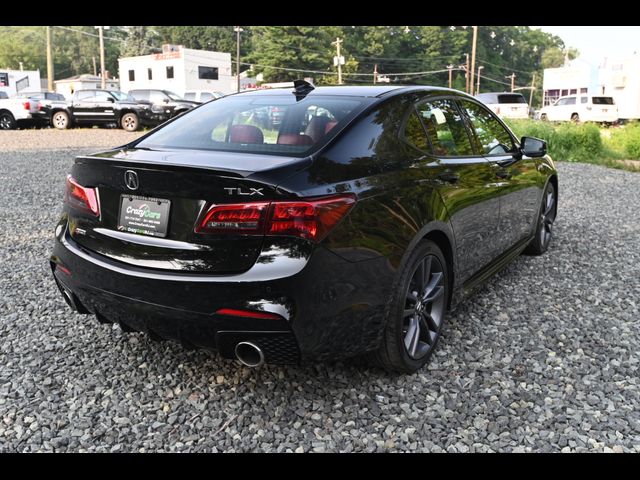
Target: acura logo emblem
(131,180)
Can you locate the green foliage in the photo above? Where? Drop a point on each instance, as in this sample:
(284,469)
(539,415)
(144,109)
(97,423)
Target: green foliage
(139,41)
(626,141)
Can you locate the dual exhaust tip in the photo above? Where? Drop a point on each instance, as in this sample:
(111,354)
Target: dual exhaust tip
(249,354)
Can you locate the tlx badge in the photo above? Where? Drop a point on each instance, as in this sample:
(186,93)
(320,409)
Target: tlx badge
(240,191)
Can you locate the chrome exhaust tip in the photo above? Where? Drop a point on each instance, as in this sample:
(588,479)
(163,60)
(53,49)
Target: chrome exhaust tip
(249,354)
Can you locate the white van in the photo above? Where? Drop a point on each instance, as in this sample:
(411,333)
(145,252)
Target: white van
(505,104)
(201,96)
(581,108)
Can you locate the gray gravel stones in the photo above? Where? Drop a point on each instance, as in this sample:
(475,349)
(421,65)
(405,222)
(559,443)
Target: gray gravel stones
(544,358)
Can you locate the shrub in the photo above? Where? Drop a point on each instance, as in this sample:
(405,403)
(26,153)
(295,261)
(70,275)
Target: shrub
(626,141)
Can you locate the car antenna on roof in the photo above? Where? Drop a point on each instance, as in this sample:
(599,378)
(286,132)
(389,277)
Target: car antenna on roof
(301,88)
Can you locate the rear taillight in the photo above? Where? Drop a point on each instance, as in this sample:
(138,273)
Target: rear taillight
(311,219)
(248,314)
(81,198)
(26,105)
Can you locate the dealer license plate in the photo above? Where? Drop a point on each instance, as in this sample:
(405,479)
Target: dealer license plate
(143,215)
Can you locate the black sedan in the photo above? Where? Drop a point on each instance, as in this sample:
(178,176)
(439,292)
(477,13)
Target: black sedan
(349,228)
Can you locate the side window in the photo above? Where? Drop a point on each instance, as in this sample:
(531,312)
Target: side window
(205,97)
(414,132)
(102,97)
(584,99)
(156,97)
(190,96)
(140,94)
(562,101)
(445,128)
(492,138)
(86,96)
(571,101)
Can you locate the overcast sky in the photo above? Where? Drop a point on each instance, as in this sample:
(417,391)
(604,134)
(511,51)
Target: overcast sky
(595,43)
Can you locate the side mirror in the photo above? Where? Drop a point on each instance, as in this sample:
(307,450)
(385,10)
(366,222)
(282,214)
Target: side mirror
(110,99)
(166,100)
(533,147)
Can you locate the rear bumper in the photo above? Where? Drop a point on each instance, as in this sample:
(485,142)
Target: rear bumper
(330,308)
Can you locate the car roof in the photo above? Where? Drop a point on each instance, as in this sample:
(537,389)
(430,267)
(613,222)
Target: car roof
(353,91)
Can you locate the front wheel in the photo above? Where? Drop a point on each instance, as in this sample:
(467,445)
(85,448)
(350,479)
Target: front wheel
(546,217)
(417,311)
(7,122)
(60,120)
(130,122)
(544,117)
(575,118)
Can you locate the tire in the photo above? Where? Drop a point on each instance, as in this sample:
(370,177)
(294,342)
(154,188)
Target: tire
(544,117)
(60,120)
(400,351)
(546,217)
(130,122)
(7,122)
(575,118)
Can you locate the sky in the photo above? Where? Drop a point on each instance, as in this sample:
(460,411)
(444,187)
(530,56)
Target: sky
(596,43)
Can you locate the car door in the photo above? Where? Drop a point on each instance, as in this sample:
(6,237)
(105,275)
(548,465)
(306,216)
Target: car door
(515,176)
(465,182)
(104,107)
(84,106)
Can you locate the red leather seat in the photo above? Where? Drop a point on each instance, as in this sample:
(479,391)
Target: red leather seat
(294,139)
(245,134)
(319,126)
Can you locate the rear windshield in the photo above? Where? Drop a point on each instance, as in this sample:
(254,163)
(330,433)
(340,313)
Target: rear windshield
(602,100)
(511,99)
(270,124)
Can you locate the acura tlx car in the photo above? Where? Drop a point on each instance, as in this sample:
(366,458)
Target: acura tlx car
(348,228)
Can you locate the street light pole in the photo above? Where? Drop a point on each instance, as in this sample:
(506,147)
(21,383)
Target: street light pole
(478,84)
(473,57)
(238,30)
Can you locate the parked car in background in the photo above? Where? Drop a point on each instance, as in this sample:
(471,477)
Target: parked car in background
(44,102)
(100,107)
(581,108)
(16,112)
(163,101)
(202,96)
(3,95)
(505,104)
(350,230)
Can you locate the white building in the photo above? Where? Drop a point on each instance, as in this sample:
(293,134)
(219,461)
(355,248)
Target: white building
(69,85)
(177,69)
(15,81)
(618,78)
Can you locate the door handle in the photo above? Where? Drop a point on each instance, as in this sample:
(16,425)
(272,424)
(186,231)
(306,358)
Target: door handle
(504,174)
(449,177)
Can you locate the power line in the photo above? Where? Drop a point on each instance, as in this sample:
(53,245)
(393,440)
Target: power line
(90,34)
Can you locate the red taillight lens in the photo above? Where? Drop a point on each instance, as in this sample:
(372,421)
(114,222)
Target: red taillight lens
(248,314)
(309,219)
(81,198)
(246,218)
(27,105)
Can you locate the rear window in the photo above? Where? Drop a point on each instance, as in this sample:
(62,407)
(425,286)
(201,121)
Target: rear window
(271,124)
(190,96)
(511,98)
(602,100)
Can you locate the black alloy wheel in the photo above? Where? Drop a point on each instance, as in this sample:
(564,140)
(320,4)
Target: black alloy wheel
(418,311)
(546,217)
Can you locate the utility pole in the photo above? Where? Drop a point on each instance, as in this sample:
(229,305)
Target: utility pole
(95,69)
(450,68)
(375,73)
(473,57)
(478,84)
(533,89)
(102,73)
(466,74)
(338,60)
(238,30)
(513,80)
(49,61)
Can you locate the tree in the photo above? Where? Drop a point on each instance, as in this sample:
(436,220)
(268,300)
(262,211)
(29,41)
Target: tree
(139,40)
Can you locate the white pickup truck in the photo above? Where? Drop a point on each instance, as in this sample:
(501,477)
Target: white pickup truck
(16,110)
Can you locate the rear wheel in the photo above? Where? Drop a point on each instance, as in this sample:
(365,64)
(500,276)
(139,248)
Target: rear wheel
(129,122)
(544,117)
(546,217)
(417,311)
(575,118)
(7,122)
(60,120)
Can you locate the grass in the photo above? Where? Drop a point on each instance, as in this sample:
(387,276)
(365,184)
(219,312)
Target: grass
(585,142)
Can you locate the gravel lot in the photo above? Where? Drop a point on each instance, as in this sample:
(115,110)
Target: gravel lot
(544,358)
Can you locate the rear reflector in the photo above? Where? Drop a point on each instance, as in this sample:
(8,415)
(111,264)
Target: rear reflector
(311,219)
(26,105)
(81,198)
(248,314)
(63,269)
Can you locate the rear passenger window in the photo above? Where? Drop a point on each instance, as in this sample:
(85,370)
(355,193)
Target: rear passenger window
(445,128)
(415,134)
(190,96)
(205,97)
